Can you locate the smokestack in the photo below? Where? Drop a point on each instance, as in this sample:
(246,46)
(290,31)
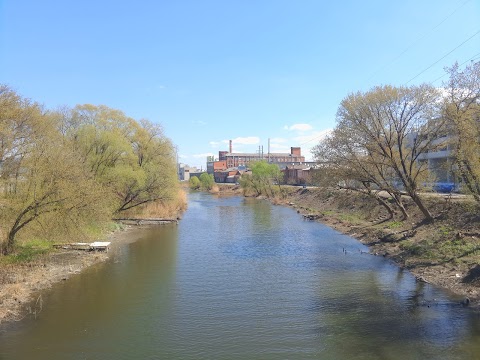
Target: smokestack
(230,148)
(268,149)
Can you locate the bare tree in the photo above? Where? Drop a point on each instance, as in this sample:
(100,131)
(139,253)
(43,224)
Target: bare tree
(381,135)
(462,109)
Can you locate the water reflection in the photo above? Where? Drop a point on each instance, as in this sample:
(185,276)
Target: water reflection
(242,279)
(112,298)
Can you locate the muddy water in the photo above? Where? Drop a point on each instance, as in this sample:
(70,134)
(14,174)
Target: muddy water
(242,279)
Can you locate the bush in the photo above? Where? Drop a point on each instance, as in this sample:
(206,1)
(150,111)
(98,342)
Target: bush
(194,183)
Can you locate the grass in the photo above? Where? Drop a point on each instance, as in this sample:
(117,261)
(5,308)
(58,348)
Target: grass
(442,250)
(395,224)
(160,209)
(115,226)
(445,230)
(423,249)
(351,218)
(28,251)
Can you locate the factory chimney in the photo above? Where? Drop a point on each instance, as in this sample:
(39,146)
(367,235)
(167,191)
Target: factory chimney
(230,148)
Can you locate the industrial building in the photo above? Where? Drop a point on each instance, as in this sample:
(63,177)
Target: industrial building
(235,160)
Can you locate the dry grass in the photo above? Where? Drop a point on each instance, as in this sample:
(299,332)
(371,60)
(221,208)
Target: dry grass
(215,189)
(160,209)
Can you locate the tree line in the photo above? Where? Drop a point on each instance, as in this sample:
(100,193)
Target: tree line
(382,135)
(63,171)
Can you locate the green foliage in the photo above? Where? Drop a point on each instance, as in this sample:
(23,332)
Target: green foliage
(262,179)
(194,183)
(207,181)
(64,174)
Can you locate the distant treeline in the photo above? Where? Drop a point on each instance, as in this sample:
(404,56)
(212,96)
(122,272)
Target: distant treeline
(67,172)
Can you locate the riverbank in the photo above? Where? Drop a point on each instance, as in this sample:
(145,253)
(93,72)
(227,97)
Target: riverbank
(22,281)
(445,253)
(38,264)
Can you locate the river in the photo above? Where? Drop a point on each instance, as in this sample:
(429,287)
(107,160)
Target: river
(243,279)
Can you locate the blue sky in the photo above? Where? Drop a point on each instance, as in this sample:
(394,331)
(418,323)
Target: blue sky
(214,70)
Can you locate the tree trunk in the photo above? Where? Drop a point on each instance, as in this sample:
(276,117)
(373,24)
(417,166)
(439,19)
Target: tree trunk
(382,202)
(398,201)
(426,213)
(7,247)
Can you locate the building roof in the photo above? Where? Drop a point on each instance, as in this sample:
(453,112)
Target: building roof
(298,167)
(265,155)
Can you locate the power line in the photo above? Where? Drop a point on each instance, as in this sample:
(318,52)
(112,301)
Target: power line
(472,58)
(443,57)
(418,40)
(315,138)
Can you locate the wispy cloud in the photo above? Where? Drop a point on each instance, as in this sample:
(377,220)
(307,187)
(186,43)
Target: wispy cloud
(214,143)
(203,155)
(250,140)
(199,122)
(278,140)
(279,147)
(313,137)
(298,127)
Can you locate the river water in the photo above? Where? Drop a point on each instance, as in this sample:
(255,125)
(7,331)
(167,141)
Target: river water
(243,279)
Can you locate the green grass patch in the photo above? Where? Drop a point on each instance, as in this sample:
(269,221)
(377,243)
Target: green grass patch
(115,226)
(395,224)
(29,250)
(445,230)
(351,218)
(442,250)
(422,249)
(459,247)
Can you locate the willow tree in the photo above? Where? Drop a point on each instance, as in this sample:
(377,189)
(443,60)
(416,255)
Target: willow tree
(156,162)
(462,109)
(133,160)
(261,179)
(41,177)
(385,132)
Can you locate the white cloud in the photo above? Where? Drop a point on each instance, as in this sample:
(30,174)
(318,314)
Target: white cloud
(278,140)
(204,155)
(298,127)
(307,142)
(214,143)
(250,140)
(279,148)
(199,122)
(313,137)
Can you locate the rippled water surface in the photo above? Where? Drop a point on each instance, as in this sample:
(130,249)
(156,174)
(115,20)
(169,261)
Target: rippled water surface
(242,279)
